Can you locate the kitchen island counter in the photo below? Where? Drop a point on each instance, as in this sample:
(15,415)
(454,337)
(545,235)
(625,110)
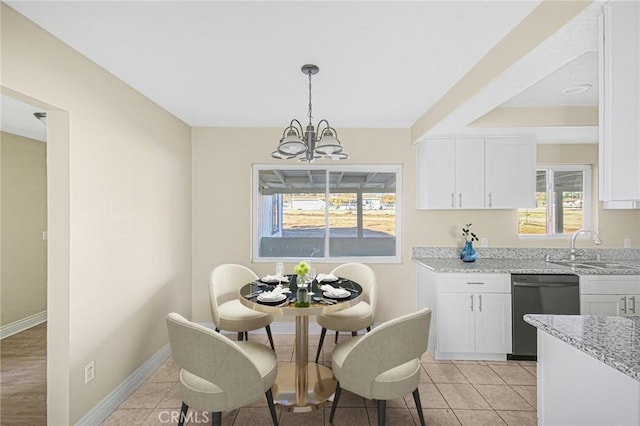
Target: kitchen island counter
(588,370)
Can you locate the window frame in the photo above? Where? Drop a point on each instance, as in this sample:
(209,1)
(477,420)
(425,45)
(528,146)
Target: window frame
(587,207)
(373,168)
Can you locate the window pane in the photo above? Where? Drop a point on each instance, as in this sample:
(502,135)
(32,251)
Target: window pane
(297,216)
(569,199)
(565,210)
(362,218)
(300,196)
(534,221)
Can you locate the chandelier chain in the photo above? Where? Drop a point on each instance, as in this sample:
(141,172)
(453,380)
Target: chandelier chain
(309,114)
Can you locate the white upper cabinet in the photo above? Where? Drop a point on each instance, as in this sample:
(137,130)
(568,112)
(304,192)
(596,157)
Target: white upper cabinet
(510,173)
(476,173)
(620,102)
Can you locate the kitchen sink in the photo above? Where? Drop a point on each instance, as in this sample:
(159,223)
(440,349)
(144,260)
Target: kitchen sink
(595,264)
(609,265)
(574,264)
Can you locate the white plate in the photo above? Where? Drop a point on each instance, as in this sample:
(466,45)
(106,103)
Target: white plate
(334,296)
(276,298)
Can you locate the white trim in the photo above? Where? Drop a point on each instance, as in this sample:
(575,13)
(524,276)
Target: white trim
(22,324)
(104,408)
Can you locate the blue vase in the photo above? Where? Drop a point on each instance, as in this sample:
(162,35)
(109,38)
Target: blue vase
(468,253)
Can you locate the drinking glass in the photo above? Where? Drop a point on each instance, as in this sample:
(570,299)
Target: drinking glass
(279,270)
(311,275)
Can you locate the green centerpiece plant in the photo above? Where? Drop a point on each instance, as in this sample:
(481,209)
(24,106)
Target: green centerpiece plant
(301,270)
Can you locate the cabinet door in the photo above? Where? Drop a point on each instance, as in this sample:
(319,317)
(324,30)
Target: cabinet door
(619,101)
(436,174)
(603,304)
(455,322)
(493,323)
(633,305)
(510,173)
(470,174)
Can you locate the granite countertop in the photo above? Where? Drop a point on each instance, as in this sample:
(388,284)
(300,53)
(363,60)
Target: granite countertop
(613,340)
(525,260)
(520,266)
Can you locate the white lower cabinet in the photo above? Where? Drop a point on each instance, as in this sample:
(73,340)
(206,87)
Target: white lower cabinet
(471,314)
(474,323)
(616,295)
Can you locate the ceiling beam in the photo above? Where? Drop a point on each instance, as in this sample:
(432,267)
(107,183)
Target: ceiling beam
(547,18)
(539,117)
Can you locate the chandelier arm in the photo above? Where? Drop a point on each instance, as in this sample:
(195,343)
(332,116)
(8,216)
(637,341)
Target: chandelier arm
(299,128)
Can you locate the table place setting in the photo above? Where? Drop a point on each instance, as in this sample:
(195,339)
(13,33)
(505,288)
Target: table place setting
(278,294)
(334,292)
(326,278)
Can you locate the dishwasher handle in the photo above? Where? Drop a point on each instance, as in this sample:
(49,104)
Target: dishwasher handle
(535,285)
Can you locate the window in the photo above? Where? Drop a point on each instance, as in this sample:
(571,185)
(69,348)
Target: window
(326,212)
(563,202)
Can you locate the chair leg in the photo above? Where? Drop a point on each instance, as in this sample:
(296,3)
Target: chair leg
(416,398)
(240,336)
(368,329)
(382,409)
(272,407)
(268,328)
(322,334)
(183,414)
(216,418)
(354,333)
(336,397)
(246,336)
(336,337)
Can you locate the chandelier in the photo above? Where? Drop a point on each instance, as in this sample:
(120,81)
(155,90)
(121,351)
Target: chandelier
(312,142)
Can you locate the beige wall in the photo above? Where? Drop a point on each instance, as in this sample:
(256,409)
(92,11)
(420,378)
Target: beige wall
(222,160)
(120,215)
(23,282)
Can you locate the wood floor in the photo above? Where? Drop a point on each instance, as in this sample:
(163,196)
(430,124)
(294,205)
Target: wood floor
(23,378)
(452,393)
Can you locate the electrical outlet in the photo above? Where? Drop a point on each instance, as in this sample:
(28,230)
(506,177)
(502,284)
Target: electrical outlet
(627,243)
(89,372)
(484,242)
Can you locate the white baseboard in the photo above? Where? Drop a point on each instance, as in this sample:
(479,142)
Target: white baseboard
(22,324)
(104,408)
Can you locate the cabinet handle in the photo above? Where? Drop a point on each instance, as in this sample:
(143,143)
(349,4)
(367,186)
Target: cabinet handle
(460,199)
(632,304)
(490,200)
(471,302)
(475,283)
(480,303)
(453,200)
(623,309)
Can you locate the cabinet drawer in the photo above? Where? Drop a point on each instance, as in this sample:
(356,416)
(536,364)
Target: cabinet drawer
(474,283)
(610,284)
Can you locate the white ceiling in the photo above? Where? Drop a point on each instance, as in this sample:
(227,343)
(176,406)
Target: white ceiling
(382,64)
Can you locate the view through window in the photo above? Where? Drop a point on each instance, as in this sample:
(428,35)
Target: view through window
(562,202)
(326,212)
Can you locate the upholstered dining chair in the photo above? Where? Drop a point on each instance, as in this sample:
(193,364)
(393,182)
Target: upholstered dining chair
(383,364)
(356,317)
(218,374)
(227,311)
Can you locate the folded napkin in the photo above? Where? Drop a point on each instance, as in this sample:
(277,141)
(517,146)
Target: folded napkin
(326,277)
(274,293)
(275,279)
(334,292)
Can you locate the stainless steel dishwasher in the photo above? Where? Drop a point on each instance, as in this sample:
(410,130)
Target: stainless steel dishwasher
(539,294)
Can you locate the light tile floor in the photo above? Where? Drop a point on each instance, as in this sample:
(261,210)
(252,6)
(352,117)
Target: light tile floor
(452,393)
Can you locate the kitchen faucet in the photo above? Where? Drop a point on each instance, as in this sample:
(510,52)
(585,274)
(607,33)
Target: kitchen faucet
(572,246)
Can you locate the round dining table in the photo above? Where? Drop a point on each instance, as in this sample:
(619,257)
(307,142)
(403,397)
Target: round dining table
(301,386)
